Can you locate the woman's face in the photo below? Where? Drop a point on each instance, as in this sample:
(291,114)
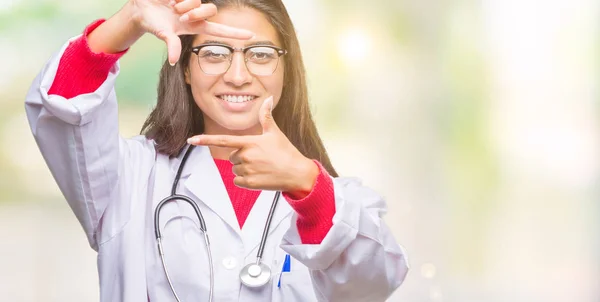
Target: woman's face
(231,101)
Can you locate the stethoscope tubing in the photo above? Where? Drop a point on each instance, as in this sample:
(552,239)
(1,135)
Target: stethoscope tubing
(202,227)
(206,241)
(265,234)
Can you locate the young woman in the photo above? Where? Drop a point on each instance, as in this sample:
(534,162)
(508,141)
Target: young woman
(257,211)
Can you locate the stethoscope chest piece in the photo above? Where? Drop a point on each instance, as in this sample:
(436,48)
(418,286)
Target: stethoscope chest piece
(255,274)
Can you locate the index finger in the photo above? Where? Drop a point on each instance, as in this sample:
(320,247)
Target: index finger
(224,31)
(230,141)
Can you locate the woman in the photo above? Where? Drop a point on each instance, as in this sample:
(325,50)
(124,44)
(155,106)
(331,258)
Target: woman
(233,86)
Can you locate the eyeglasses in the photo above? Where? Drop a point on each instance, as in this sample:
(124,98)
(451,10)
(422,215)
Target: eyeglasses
(215,59)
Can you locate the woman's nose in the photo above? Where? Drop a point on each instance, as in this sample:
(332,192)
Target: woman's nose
(238,74)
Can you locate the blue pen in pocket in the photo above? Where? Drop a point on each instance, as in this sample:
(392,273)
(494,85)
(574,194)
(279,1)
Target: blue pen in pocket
(286,268)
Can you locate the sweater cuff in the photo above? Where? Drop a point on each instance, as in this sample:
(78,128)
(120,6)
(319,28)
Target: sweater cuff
(81,70)
(316,210)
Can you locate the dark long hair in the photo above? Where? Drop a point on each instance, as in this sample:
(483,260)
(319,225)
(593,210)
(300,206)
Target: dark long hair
(177,117)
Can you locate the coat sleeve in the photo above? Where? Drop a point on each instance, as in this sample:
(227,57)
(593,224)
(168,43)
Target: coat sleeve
(359,259)
(79,141)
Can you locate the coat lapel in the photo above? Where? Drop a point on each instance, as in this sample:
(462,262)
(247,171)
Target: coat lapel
(255,223)
(206,184)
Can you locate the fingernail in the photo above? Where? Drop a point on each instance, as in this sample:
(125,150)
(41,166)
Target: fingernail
(172,64)
(184,18)
(192,140)
(172,3)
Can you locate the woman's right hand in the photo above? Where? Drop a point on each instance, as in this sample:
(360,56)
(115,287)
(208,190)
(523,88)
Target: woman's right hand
(165,19)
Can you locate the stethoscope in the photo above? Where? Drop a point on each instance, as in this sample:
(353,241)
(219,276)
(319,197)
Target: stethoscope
(252,275)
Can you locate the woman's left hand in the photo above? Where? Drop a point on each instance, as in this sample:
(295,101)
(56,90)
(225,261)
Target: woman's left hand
(268,161)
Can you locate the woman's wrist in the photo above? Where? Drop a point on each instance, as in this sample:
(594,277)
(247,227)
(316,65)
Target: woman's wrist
(118,33)
(307,174)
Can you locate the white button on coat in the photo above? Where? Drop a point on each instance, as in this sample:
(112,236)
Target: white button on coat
(229,263)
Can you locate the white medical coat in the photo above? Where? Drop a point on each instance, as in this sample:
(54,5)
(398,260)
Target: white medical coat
(113,185)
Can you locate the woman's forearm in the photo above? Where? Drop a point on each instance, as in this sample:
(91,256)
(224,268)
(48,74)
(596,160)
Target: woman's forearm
(118,33)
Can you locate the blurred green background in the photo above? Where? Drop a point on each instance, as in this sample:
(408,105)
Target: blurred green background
(477,120)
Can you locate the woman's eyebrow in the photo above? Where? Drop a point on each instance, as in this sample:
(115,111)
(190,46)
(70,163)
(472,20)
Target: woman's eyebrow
(264,42)
(215,42)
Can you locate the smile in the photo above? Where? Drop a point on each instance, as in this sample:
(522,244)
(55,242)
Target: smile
(237,98)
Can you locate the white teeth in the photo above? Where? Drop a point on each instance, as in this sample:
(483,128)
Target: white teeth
(237,98)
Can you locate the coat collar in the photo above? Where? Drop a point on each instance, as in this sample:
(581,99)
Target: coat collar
(206,184)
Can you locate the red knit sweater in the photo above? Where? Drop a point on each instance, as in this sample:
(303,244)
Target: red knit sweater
(82,71)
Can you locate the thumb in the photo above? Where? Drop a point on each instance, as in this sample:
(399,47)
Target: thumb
(173,46)
(265,115)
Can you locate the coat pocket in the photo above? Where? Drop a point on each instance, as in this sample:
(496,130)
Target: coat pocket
(294,285)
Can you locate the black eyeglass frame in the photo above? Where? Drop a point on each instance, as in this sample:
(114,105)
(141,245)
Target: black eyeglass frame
(280,52)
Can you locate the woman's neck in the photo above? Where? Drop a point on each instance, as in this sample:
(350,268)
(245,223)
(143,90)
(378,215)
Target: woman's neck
(220,152)
(224,152)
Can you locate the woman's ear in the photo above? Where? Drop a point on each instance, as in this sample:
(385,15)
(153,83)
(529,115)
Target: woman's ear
(186,74)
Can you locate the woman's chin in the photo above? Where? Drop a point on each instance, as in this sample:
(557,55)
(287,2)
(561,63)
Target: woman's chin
(243,126)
